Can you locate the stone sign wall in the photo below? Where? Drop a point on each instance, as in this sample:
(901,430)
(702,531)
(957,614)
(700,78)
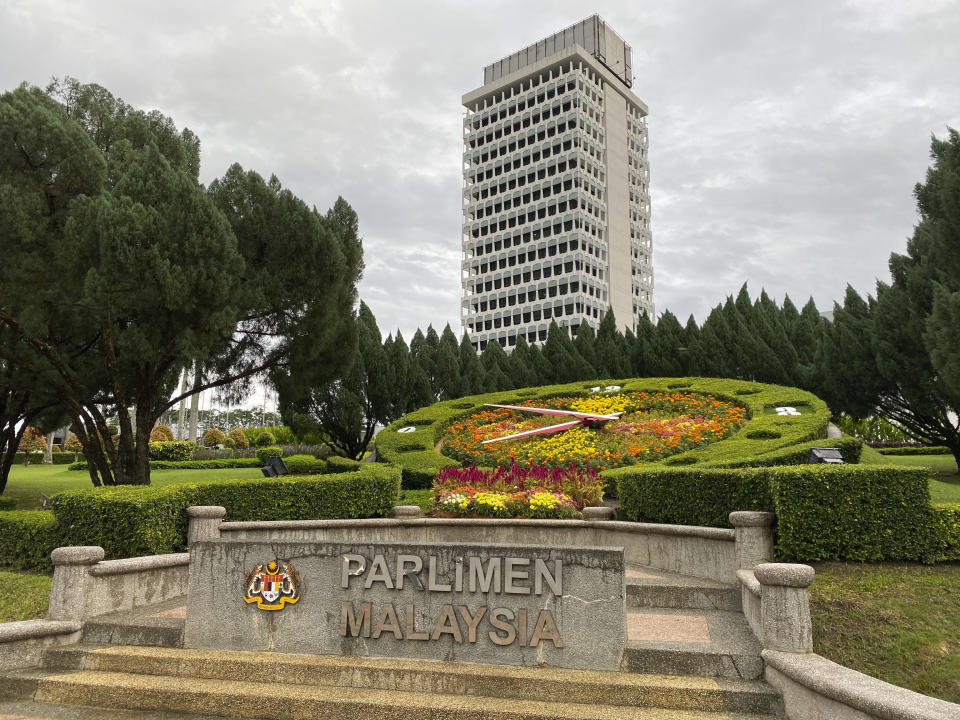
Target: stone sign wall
(502,604)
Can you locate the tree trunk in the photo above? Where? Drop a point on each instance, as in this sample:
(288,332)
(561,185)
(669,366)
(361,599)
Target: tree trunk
(48,450)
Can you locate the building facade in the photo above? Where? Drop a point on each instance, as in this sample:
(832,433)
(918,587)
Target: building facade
(556,191)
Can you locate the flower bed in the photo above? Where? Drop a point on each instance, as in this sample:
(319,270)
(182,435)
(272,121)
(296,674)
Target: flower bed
(653,426)
(514,491)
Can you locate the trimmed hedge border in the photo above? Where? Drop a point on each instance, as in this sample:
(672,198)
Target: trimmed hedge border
(862,513)
(130,521)
(36,458)
(27,538)
(415,451)
(914,450)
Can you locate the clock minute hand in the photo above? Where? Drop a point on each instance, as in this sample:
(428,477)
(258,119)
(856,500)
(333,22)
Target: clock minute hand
(551,411)
(536,431)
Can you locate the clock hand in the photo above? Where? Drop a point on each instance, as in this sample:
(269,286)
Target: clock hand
(551,411)
(537,431)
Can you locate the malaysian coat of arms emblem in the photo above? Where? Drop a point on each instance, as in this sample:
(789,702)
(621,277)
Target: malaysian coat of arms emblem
(272,586)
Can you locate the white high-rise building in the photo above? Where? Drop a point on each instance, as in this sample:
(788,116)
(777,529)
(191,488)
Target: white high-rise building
(556,190)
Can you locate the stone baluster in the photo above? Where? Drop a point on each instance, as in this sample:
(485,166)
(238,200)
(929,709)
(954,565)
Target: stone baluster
(204,523)
(785,606)
(71,581)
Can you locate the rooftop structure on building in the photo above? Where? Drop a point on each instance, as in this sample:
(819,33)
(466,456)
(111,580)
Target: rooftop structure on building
(556,191)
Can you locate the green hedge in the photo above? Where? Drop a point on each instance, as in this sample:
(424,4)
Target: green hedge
(129,521)
(172,450)
(7,504)
(267,452)
(862,513)
(59,458)
(27,537)
(337,464)
(689,495)
(945,533)
(224,464)
(370,492)
(305,465)
(126,521)
(914,450)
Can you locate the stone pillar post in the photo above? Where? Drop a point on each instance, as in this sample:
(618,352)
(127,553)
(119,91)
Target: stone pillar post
(72,581)
(785,606)
(754,538)
(204,523)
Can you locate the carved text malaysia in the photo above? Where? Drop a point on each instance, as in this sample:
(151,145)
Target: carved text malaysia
(486,576)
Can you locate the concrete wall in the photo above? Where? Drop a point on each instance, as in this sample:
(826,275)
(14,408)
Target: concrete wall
(696,551)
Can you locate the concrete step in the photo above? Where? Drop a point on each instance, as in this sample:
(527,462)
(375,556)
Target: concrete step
(159,625)
(653,588)
(21,684)
(30,710)
(706,643)
(487,681)
(245,699)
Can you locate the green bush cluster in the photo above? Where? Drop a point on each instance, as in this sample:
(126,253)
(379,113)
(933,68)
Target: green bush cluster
(129,521)
(27,537)
(174,450)
(688,495)
(225,463)
(861,513)
(914,450)
(265,439)
(265,453)
(59,458)
(338,464)
(305,465)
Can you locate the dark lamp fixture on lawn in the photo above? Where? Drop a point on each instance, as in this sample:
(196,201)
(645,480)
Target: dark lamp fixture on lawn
(823,455)
(274,467)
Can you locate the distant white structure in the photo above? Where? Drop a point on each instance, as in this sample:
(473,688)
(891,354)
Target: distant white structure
(556,190)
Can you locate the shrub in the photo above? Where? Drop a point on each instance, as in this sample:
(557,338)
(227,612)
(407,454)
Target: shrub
(689,495)
(914,450)
(176,450)
(305,465)
(7,504)
(27,537)
(265,439)
(216,464)
(142,520)
(73,444)
(862,513)
(32,445)
(126,521)
(239,439)
(213,437)
(265,453)
(945,533)
(59,458)
(161,433)
(338,464)
(370,492)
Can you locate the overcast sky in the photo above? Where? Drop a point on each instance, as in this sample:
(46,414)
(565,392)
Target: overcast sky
(785,138)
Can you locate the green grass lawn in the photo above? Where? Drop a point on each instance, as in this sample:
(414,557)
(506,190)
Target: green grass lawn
(26,596)
(898,622)
(26,483)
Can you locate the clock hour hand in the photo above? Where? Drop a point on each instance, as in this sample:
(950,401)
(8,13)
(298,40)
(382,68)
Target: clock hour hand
(552,411)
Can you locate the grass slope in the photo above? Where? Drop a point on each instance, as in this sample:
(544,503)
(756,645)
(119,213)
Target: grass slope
(895,621)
